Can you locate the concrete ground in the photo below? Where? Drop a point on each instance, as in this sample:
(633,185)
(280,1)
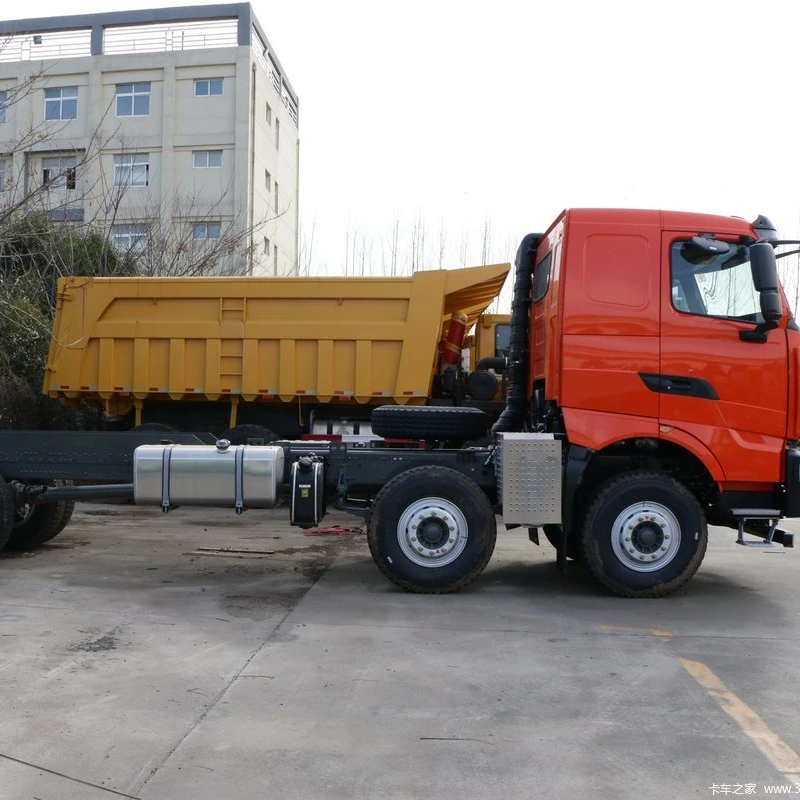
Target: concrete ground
(133,663)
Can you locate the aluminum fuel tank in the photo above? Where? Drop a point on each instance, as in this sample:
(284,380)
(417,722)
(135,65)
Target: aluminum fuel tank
(224,475)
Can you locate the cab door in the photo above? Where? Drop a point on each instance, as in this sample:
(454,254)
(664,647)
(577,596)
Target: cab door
(726,392)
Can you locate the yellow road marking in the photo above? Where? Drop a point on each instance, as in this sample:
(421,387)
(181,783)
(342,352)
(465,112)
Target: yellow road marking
(774,749)
(625,629)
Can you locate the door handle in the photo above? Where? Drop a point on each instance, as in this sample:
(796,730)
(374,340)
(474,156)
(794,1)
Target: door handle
(756,336)
(683,385)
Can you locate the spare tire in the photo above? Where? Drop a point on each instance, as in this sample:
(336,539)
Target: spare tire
(433,423)
(155,427)
(243,434)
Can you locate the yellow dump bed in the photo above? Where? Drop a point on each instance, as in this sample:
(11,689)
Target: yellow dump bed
(363,339)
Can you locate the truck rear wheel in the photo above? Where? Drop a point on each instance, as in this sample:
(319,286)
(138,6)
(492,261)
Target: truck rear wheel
(6,512)
(441,423)
(36,524)
(644,534)
(432,530)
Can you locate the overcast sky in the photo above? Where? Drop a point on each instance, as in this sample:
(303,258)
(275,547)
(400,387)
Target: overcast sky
(461,112)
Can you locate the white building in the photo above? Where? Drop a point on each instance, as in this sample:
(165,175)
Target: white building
(177,119)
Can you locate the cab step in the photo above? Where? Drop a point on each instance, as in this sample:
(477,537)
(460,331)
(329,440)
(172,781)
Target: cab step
(771,535)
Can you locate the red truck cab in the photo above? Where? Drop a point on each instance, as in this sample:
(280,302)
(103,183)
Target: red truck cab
(649,349)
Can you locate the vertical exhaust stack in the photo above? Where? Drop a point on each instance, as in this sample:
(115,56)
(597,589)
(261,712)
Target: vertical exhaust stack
(519,349)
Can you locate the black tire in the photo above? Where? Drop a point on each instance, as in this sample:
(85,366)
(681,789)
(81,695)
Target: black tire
(240,434)
(438,423)
(68,507)
(437,498)
(644,534)
(6,512)
(155,427)
(36,524)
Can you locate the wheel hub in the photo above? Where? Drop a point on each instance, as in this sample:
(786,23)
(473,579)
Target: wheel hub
(645,536)
(432,532)
(22,514)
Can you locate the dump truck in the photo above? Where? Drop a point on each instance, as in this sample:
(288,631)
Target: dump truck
(264,358)
(653,389)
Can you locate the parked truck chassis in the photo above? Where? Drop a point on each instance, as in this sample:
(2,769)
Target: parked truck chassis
(643,403)
(431,512)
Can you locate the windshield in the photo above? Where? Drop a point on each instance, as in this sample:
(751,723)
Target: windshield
(502,339)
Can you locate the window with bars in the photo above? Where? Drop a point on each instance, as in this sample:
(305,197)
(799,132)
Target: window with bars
(59,172)
(132,169)
(131,238)
(133,99)
(206,159)
(207,86)
(61,103)
(207,230)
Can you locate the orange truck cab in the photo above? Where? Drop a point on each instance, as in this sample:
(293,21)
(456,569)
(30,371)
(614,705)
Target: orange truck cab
(661,345)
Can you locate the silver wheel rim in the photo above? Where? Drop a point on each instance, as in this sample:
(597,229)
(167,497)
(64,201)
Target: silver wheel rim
(432,532)
(645,536)
(22,514)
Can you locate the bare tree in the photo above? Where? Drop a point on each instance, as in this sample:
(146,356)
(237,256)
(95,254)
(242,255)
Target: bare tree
(305,261)
(442,243)
(419,234)
(463,247)
(486,241)
(393,246)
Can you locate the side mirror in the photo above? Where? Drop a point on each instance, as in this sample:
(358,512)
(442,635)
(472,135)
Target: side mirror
(764,267)
(771,307)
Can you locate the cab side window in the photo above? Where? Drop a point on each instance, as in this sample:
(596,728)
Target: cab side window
(541,277)
(713,284)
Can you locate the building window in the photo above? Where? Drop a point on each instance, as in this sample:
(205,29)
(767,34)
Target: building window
(277,134)
(269,114)
(207,86)
(274,260)
(206,230)
(206,159)
(268,180)
(129,238)
(276,197)
(2,176)
(61,103)
(266,246)
(3,101)
(132,169)
(133,99)
(58,172)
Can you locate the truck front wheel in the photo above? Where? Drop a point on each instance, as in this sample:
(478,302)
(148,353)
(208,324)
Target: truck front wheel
(432,530)
(644,534)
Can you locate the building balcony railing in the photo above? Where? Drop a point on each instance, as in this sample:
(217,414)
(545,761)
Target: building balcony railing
(169,37)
